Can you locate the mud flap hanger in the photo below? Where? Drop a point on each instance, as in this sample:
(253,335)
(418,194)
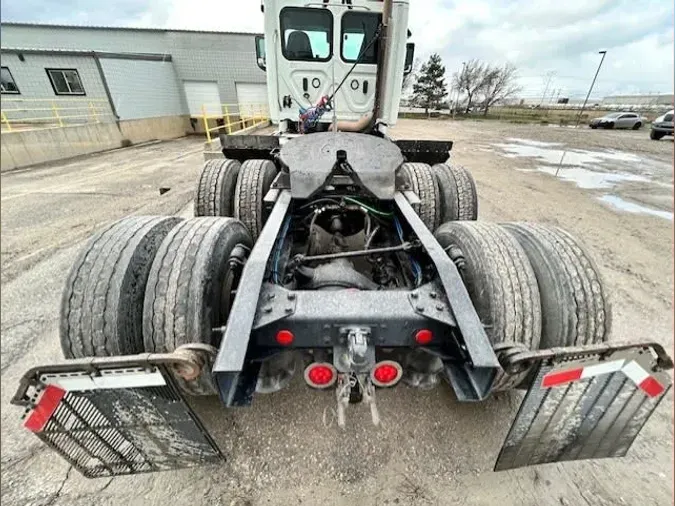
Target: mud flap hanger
(584,402)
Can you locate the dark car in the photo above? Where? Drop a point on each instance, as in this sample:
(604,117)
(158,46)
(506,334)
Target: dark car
(661,126)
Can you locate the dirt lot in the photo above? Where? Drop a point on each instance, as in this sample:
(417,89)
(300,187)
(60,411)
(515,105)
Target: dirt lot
(431,449)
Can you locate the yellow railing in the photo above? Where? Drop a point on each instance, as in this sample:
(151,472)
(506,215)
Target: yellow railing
(230,118)
(38,113)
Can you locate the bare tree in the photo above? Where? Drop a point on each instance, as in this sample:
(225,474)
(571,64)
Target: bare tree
(498,83)
(470,80)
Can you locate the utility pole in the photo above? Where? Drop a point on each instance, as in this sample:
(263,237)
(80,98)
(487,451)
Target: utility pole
(454,108)
(603,53)
(549,76)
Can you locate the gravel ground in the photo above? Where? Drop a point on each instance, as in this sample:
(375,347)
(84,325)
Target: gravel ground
(431,449)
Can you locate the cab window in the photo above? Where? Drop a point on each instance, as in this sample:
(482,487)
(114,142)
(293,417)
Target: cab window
(358,30)
(307,34)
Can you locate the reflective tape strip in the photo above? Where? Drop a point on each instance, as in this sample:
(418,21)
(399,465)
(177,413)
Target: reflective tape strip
(558,378)
(134,379)
(648,384)
(634,371)
(602,368)
(652,387)
(44,409)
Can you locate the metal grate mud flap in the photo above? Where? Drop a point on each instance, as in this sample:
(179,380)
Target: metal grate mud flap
(120,420)
(584,403)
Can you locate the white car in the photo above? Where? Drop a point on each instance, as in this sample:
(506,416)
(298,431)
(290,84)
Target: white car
(663,125)
(618,120)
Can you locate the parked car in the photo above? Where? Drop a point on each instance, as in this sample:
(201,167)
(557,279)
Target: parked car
(663,125)
(618,120)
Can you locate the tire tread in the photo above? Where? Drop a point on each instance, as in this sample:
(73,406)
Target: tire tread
(101,306)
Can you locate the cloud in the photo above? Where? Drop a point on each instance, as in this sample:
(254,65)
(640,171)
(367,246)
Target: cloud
(564,37)
(539,36)
(86,12)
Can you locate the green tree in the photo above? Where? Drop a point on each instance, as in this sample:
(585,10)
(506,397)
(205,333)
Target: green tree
(430,89)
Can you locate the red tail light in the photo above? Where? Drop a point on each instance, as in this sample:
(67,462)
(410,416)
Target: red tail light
(423,336)
(320,375)
(285,337)
(386,373)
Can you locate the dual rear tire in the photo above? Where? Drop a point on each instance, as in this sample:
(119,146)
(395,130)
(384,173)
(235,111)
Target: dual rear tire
(150,284)
(533,286)
(446,192)
(227,188)
(230,189)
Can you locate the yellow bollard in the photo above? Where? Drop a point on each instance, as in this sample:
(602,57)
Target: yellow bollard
(228,123)
(93,111)
(4,118)
(56,113)
(206,124)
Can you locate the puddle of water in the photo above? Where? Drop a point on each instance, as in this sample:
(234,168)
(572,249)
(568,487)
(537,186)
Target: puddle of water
(576,157)
(631,207)
(589,179)
(530,142)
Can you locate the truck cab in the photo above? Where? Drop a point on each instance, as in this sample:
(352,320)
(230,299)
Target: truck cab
(310,48)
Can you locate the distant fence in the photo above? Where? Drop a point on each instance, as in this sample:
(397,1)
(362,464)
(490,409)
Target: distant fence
(35,114)
(228,118)
(562,114)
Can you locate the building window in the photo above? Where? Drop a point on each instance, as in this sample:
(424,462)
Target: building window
(65,81)
(358,30)
(307,34)
(7,84)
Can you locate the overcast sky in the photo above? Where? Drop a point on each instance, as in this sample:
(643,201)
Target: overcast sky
(540,37)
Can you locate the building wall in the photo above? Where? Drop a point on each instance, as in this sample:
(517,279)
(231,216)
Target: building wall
(655,100)
(212,57)
(143,89)
(33,82)
(222,57)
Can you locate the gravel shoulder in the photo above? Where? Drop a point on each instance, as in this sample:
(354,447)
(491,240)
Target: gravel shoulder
(286,449)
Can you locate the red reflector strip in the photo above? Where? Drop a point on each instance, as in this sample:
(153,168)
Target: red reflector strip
(558,378)
(651,387)
(634,371)
(43,411)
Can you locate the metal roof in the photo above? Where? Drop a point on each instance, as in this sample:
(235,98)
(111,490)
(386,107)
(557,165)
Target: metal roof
(121,28)
(84,52)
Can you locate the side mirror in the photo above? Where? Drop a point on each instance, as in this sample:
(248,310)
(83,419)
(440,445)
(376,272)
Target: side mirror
(409,58)
(260,52)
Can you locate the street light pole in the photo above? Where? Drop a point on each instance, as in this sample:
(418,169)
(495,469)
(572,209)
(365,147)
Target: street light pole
(603,53)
